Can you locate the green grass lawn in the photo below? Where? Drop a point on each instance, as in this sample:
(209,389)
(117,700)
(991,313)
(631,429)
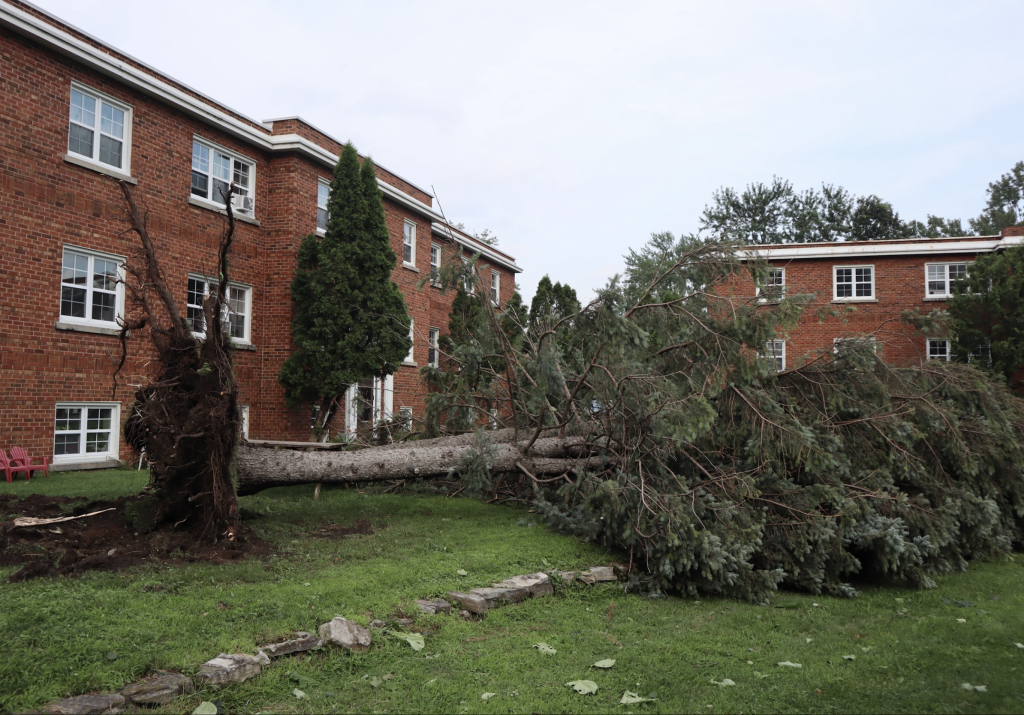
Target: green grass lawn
(912,654)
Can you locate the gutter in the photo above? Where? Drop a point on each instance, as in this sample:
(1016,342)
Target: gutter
(869,248)
(443,230)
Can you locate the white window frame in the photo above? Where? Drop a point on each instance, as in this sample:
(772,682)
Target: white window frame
(405,415)
(90,288)
(982,351)
(435,265)
(853,285)
(778,357)
(232,157)
(113,439)
(322,184)
(947,283)
(410,359)
(948,345)
(210,285)
(409,241)
(243,418)
(468,286)
(433,352)
(775,290)
(495,288)
(97,129)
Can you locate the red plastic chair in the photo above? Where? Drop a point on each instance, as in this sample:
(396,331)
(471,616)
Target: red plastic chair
(5,464)
(21,462)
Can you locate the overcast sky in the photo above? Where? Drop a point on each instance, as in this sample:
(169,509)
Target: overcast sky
(575,130)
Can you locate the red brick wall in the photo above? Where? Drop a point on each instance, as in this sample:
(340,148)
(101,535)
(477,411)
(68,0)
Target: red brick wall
(899,286)
(47,203)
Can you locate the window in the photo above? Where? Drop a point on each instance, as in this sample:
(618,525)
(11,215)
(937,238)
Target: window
(411,357)
(843,346)
(432,352)
(776,350)
(90,288)
(435,265)
(854,282)
(235,313)
(942,276)
(213,170)
(774,285)
(495,288)
(492,418)
(405,418)
(323,192)
(409,243)
(86,431)
(468,284)
(243,412)
(938,349)
(98,128)
(981,354)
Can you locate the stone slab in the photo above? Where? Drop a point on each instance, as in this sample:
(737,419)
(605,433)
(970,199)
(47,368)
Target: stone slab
(434,607)
(536,584)
(229,668)
(470,602)
(87,704)
(603,574)
(160,689)
(345,633)
(301,642)
(509,595)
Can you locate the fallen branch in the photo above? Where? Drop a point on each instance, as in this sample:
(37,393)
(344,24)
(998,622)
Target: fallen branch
(33,521)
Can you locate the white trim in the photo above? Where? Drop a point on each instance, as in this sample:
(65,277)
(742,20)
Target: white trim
(433,343)
(322,183)
(781,286)
(118,289)
(126,140)
(113,446)
(495,288)
(410,359)
(435,278)
(243,420)
(836,298)
(492,256)
(770,354)
(910,246)
(232,156)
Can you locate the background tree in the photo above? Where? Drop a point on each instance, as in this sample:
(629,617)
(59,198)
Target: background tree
(350,321)
(553,300)
(987,314)
(1005,206)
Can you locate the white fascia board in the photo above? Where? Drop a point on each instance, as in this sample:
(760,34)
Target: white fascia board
(66,44)
(508,262)
(869,248)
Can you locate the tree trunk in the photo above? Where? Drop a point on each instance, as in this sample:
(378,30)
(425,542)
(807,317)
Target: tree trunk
(262,468)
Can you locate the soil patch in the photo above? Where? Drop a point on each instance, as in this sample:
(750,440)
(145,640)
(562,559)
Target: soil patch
(103,542)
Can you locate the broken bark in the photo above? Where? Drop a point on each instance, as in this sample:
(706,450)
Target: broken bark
(261,468)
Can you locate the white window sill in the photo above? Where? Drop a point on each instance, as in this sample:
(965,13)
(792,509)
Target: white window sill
(76,462)
(100,168)
(85,328)
(321,232)
(235,345)
(410,267)
(410,363)
(855,300)
(929,298)
(210,206)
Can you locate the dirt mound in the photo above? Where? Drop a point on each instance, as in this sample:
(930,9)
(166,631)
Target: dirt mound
(105,542)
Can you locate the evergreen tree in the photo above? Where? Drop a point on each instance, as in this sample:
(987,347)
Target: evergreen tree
(555,301)
(1005,205)
(350,320)
(987,314)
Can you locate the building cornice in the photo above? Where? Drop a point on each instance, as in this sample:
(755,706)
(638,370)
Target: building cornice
(474,246)
(909,247)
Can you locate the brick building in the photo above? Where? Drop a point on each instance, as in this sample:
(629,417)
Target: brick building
(869,284)
(75,112)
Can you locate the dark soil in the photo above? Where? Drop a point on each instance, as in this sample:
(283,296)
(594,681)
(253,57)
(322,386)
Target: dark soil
(333,531)
(104,542)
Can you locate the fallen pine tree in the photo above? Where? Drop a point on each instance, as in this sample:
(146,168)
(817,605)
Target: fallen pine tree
(647,422)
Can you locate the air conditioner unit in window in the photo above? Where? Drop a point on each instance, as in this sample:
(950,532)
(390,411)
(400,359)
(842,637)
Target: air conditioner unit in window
(242,203)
